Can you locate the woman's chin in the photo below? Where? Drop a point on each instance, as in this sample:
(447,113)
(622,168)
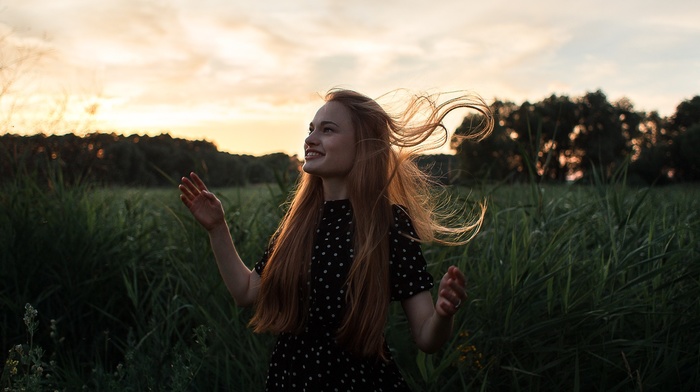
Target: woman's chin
(309,168)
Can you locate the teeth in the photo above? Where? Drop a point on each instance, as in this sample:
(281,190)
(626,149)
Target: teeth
(312,154)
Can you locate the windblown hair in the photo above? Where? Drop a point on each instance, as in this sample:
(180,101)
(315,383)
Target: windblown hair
(384,173)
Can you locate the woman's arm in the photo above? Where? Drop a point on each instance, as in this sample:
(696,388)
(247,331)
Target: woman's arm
(431,325)
(241,282)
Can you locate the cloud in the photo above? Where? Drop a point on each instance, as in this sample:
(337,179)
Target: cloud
(226,62)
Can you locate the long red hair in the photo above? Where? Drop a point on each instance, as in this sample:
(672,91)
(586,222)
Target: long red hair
(384,173)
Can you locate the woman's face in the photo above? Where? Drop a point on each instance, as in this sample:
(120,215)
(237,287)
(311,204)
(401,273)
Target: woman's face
(330,146)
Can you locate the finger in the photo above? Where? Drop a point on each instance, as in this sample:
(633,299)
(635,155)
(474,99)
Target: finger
(210,196)
(449,280)
(461,294)
(457,274)
(189,189)
(185,201)
(452,297)
(456,284)
(194,191)
(447,309)
(198,181)
(185,192)
(458,290)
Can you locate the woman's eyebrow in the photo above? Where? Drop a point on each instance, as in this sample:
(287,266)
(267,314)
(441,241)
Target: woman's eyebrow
(322,123)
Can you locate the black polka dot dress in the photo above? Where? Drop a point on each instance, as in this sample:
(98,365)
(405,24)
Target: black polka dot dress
(312,360)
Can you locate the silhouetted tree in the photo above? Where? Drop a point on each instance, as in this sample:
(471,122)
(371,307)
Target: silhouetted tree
(652,149)
(599,139)
(687,114)
(281,167)
(684,130)
(443,168)
(491,158)
(556,119)
(687,154)
(126,164)
(136,160)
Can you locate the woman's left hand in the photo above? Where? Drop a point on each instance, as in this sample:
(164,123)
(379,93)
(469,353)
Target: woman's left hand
(451,293)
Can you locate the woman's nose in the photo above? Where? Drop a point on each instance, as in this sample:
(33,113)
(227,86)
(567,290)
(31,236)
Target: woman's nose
(311,139)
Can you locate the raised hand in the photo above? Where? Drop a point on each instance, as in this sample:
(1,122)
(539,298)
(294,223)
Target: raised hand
(451,293)
(204,206)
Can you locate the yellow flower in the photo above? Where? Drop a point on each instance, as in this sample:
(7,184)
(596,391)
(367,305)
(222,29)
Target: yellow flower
(469,354)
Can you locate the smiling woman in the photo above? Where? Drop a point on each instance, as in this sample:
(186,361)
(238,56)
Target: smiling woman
(348,245)
(330,149)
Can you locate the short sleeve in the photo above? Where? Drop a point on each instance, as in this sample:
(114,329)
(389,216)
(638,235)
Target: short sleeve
(408,269)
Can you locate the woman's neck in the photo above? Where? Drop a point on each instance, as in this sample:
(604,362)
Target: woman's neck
(335,189)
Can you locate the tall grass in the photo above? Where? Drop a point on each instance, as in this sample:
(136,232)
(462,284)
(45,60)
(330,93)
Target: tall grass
(581,288)
(571,288)
(126,280)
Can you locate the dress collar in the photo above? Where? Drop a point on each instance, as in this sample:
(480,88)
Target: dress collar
(336,206)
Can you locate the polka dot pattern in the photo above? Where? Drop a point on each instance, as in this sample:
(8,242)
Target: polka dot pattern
(312,360)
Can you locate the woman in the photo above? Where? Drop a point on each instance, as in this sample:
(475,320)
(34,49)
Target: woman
(348,245)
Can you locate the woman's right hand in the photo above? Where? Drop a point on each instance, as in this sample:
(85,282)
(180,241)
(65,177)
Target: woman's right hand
(204,206)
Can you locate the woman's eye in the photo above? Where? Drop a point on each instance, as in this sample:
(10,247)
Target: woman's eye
(323,130)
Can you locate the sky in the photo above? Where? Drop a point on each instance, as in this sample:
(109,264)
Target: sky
(249,75)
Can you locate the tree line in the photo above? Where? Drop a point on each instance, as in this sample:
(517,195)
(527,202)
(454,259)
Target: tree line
(562,139)
(147,161)
(136,160)
(558,139)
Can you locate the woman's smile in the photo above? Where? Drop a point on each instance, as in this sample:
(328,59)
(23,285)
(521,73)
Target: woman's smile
(312,154)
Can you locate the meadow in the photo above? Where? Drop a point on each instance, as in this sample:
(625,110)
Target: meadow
(571,288)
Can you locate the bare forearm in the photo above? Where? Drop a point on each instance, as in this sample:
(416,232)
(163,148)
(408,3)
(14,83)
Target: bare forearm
(429,329)
(431,324)
(236,275)
(436,330)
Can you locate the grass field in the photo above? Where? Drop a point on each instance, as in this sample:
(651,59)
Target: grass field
(571,288)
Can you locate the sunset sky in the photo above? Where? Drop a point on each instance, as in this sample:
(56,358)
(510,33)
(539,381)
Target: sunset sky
(247,75)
